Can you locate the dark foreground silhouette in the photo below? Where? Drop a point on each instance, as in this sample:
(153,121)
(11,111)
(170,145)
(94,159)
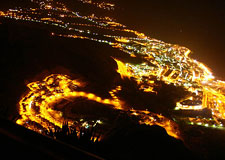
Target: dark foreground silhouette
(131,142)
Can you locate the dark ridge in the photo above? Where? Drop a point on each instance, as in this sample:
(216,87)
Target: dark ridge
(19,142)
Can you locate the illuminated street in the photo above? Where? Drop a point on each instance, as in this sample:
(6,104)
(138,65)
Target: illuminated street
(151,64)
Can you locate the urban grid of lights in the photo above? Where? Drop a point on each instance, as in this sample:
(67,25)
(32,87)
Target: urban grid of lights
(167,62)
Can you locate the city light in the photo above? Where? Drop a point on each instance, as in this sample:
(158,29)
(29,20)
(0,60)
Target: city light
(164,61)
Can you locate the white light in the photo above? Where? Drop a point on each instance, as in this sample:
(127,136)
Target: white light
(206,125)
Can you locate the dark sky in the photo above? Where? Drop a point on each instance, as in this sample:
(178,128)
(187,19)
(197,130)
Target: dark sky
(196,24)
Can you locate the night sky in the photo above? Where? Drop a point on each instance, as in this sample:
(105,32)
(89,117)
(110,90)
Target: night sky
(196,24)
(29,52)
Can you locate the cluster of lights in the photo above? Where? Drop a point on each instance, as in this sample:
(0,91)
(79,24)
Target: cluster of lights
(205,122)
(38,105)
(38,113)
(102,5)
(169,63)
